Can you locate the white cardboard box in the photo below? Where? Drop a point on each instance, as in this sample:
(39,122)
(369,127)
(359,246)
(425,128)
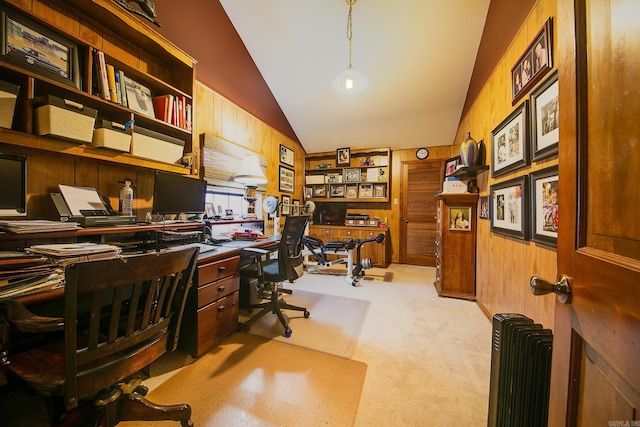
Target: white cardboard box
(156,146)
(454,187)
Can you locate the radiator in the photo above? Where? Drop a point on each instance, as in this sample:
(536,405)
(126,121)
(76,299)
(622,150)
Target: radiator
(520,372)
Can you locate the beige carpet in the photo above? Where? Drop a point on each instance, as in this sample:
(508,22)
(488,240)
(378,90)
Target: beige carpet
(252,381)
(333,327)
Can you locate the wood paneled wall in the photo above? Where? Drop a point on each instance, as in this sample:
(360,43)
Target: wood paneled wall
(504,265)
(218,116)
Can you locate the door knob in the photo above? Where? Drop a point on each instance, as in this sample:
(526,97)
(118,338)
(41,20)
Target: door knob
(561,288)
(406,220)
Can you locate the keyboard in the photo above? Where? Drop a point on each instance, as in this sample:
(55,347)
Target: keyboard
(204,247)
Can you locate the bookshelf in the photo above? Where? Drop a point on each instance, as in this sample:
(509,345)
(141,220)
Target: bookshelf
(130,45)
(364,179)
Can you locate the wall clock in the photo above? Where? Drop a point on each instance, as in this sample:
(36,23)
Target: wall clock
(422,153)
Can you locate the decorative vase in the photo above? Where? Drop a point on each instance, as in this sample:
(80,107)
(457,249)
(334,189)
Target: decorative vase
(482,153)
(469,151)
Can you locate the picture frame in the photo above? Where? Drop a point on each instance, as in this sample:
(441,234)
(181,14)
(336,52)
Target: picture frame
(308,193)
(351,192)
(287,155)
(209,210)
(379,191)
(509,208)
(545,132)
(343,156)
(285,205)
(286,181)
(450,166)
(534,63)
(365,191)
(544,205)
(460,218)
(337,190)
(295,209)
(139,97)
(38,49)
(483,207)
(509,142)
(351,174)
(333,177)
(320,191)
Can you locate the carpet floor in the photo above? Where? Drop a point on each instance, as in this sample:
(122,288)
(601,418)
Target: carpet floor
(252,381)
(333,326)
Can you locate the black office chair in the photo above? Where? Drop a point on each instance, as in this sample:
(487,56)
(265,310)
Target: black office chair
(272,272)
(119,315)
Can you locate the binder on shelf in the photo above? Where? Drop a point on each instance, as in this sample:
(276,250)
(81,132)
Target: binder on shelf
(111,77)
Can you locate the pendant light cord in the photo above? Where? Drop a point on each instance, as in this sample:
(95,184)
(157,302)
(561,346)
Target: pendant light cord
(350,27)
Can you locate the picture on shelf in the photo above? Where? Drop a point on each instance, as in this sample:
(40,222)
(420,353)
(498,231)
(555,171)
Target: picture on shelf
(337,190)
(295,209)
(343,156)
(379,190)
(352,191)
(308,193)
(366,191)
(319,191)
(36,48)
(450,166)
(351,175)
(333,177)
(139,97)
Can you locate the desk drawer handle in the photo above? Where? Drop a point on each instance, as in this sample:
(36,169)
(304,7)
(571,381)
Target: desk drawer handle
(221,269)
(221,308)
(221,288)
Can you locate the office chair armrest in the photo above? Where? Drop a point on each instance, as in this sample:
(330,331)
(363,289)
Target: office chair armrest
(23,320)
(257,250)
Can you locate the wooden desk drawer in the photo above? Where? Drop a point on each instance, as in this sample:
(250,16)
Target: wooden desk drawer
(213,271)
(216,321)
(216,290)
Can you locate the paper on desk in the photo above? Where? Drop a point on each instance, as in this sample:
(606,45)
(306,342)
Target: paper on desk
(81,199)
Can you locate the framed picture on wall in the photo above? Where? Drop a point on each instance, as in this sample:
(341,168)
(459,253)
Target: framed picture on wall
(483,207)
(286,155)
(544,206)
(38,49)
(509,208)
(545,132)
(534,63)
(509,147)
(286,183)
(295,209)
(285,207)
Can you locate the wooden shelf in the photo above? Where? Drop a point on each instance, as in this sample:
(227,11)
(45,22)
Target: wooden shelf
(469,173)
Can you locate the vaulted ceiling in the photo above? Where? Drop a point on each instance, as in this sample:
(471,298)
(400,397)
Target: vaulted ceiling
(425,61)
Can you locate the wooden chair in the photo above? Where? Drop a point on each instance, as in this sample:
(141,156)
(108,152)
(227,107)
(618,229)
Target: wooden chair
(272,272)
(119,316)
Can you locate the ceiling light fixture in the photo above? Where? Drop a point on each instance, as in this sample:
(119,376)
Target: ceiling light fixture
(350,81)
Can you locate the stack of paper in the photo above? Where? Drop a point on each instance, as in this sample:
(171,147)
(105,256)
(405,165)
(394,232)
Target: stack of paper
(66,253)
(37,226)
(22,274)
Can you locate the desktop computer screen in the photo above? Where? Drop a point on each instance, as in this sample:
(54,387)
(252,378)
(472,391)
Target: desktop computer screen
(178,194)
(13,186)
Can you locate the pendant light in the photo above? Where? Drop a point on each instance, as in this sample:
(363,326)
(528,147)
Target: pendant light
(350,81)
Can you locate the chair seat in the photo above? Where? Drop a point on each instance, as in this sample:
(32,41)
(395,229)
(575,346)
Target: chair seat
(269,269)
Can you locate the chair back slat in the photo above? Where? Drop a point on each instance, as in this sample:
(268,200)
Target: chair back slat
(120,309)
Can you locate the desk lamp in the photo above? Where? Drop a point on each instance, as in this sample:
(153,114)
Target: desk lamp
(251,175)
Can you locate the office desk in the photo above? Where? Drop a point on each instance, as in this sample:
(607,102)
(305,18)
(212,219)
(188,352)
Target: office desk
(211,311)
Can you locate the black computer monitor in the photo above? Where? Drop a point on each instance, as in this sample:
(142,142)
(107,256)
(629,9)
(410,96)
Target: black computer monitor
(13,186)
(178,194)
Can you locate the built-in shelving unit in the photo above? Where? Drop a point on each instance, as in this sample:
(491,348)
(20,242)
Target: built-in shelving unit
(364,179)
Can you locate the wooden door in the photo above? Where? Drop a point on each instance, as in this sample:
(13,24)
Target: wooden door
(596,354)
(420,181)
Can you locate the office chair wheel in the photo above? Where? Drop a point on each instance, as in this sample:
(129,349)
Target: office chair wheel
(244,327)
(306,314)
(287,333)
